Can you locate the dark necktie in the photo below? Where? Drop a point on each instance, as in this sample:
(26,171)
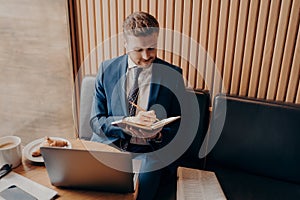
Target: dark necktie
(134,92)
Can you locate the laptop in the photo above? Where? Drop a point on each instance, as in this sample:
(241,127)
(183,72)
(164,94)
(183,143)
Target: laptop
(85,169)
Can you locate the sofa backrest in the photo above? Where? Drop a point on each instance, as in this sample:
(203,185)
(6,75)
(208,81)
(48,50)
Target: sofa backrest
(86,99)
(260,137)
(203,98)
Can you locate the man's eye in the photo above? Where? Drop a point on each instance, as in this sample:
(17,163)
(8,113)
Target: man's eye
(138,50)
(151,49)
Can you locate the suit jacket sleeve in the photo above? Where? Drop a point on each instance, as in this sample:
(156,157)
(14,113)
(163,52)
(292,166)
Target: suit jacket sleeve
(100,117)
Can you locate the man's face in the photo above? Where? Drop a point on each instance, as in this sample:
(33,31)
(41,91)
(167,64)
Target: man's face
(142,50)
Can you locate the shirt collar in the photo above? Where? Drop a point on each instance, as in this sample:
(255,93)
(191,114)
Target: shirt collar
(131,64)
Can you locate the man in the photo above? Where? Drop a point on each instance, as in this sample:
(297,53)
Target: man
(138,78)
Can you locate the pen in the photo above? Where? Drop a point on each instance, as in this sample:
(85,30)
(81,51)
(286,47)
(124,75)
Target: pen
(140,108)
(5,169)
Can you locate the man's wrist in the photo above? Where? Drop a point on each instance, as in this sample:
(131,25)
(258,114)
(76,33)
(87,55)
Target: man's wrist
(157,138)
(128,119)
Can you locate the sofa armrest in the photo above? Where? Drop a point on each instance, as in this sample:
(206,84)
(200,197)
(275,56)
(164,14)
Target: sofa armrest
(86,99)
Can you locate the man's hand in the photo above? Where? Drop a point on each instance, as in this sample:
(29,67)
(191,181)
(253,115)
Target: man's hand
(146,118)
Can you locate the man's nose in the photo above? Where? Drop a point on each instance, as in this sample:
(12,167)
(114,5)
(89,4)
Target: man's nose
(145,54)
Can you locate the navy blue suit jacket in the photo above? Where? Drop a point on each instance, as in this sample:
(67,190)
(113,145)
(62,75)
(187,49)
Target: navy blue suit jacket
(110,102)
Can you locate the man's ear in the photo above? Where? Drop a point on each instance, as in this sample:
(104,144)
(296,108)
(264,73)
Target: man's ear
(124,40)
(125,46)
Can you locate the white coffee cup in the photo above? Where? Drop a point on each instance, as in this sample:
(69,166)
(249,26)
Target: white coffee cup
(10,151)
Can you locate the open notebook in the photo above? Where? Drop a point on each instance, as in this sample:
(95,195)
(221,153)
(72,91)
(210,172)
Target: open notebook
(198,184)
(156,125)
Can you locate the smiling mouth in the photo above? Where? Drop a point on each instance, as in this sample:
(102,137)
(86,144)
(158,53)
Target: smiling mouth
(147,61)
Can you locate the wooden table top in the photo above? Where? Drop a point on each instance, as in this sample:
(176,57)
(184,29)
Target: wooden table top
(38,173)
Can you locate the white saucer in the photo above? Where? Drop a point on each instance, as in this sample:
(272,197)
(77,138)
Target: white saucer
(34,145)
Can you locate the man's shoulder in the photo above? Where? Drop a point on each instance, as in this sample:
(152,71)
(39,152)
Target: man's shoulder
(165,63)
(115,60)
(113,65)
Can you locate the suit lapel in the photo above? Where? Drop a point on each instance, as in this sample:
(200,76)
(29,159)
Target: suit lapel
(121,85)
(155,84)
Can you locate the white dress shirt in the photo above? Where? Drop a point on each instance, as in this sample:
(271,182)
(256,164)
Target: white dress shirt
(144,81)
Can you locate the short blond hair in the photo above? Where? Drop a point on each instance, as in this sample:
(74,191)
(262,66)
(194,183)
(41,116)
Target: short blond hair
(140,24)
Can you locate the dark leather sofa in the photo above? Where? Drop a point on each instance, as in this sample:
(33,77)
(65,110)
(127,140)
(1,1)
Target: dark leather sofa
(255,148)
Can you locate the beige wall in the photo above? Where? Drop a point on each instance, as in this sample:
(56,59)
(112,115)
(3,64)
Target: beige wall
(36,81)
(243,47)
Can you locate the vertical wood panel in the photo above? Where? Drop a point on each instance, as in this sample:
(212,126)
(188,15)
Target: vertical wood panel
(121,18)
(195,32)
(221,46)
(99,32)
(106,30)
(294,79)
(249,45)
(230,45)
(212,41)
(114,28)
(288,52)
(153,7)
(204,29)
(269,48)
(259,47)
(92,37)
(79,39)
(177,43)
(85,37)
(185,38)
(169,30)
(136,5)
(278,50)
(144,5)
(129,7)
(239,47)
(161,17)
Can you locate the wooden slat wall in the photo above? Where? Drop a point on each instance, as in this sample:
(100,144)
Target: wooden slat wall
(243,47)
